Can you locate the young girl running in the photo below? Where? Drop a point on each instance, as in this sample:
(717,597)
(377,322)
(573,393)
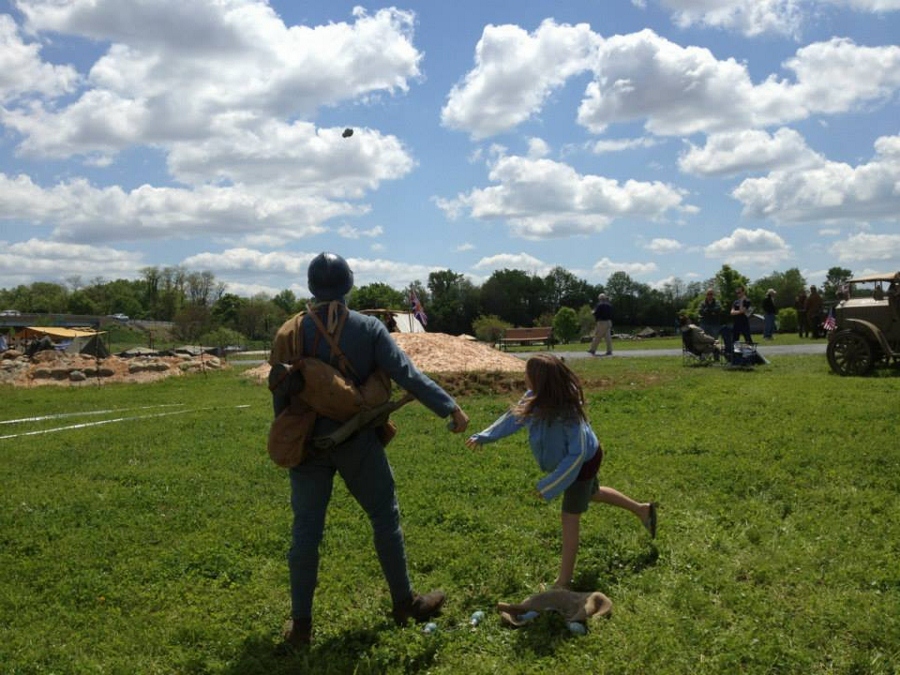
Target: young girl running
(564,446)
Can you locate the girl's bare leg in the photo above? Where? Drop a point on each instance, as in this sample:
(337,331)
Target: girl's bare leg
(608,495)
(570,535)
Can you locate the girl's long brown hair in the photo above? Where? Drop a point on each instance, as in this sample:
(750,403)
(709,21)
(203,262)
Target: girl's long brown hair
(555,390)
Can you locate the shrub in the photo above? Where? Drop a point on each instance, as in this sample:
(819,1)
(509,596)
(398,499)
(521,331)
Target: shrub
(489,328)
(565,325)
(787,320)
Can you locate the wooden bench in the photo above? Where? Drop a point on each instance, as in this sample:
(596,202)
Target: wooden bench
(527,336)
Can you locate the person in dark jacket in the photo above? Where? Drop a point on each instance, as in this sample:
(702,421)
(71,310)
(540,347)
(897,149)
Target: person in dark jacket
(800,306)
(361,460)
(603,314)
(814,312)
(740,315)
(710,312)
(769,312)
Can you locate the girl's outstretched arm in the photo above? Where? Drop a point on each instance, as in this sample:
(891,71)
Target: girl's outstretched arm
(506,425)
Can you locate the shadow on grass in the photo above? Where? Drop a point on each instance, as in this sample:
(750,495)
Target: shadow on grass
(596,578)
(542,637)
(356,651)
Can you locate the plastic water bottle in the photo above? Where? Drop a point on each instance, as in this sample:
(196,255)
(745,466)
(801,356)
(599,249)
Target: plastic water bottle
(577,628)
(476,618)
(430,628)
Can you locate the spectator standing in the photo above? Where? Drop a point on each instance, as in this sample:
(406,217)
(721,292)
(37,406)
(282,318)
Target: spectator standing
(769,312)
(800,306)
(603,314)
(740,316)
(814,312)
(710,312)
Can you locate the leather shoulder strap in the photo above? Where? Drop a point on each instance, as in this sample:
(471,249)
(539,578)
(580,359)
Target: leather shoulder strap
(343,363)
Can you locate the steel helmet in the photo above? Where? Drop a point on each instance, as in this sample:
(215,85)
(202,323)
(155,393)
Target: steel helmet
(329,277)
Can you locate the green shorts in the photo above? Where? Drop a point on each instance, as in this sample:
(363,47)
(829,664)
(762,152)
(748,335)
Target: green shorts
(577,496)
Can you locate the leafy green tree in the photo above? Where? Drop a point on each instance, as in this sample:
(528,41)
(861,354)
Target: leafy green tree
(191,322)
(836,277)
(226,310)
(512,295)
(287,301)
(564,289)
(565,325)
(151,277)
(202,288)
(172,282)
(727,282)
(454,302)
(376,296)
(259,318)
(43,297)
(627,296)
(81,303)
(785,284)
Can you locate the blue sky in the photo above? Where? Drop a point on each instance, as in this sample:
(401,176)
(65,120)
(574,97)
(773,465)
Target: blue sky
(662,138)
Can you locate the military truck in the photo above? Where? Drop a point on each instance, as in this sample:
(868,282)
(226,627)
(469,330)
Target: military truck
(866,332)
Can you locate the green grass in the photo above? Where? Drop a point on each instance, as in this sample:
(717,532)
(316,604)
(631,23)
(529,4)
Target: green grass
(157,545)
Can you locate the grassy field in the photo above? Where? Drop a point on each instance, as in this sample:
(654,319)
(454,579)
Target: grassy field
(155,542)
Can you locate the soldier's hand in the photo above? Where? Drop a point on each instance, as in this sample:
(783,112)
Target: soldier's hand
(459,421)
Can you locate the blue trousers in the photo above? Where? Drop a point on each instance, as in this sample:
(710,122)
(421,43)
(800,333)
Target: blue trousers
(769,325)
(363,465)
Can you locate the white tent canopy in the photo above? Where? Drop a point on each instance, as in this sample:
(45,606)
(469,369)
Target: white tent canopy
(406,321)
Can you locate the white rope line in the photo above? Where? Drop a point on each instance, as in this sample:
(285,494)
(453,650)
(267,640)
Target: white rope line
(85,425)
(88,412)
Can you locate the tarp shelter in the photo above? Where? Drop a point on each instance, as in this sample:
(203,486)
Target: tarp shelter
(79,340)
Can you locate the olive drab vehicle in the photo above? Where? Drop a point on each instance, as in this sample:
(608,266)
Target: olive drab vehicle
(866,334)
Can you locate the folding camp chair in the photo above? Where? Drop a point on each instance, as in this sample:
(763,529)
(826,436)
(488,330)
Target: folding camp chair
(689,355)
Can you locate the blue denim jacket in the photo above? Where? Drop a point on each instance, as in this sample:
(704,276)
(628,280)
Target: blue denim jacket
(560,447)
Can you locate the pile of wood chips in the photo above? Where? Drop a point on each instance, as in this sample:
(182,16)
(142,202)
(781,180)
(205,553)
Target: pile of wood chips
(441,353)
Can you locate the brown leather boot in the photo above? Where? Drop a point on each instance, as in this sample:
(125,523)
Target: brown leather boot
(298,633)
(420,608)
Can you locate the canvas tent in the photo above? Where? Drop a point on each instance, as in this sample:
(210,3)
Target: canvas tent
(406,322)
(70,340)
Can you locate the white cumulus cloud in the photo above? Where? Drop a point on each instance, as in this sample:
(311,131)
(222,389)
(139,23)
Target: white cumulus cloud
(829,191)
(752,247)
(751,150)
(605,267)
(542,198)
(515,72)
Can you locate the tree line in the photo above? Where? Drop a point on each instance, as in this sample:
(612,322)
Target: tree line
(198,304)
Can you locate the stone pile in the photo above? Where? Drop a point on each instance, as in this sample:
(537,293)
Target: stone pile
(50,367)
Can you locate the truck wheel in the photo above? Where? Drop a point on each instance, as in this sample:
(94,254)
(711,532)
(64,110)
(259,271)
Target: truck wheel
(849,353)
